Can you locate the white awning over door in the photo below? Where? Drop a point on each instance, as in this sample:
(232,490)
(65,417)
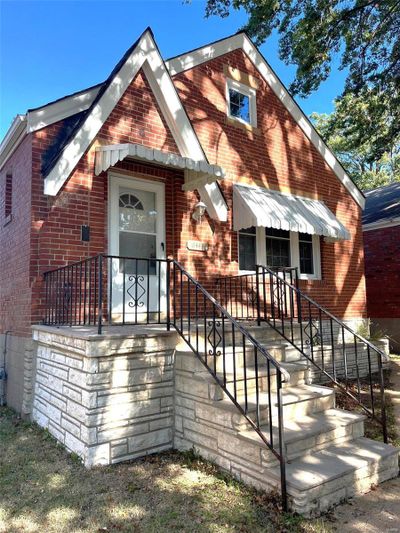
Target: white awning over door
(198,173)
(256,206)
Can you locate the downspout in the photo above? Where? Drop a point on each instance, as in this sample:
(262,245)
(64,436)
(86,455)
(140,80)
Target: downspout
(3,372)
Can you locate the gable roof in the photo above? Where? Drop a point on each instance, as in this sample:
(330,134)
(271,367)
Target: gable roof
(382,207)
(143,54)
(241,41)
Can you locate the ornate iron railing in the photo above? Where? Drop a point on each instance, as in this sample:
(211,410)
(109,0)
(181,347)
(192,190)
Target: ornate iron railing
(239,294)
(337,353)
(107,290)
(92,292)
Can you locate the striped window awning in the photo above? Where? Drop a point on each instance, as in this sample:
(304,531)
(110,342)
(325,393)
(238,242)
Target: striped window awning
(256,206)
(197,173)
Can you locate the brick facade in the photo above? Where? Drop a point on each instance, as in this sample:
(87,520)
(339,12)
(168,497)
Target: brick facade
(45,231)
(382,272)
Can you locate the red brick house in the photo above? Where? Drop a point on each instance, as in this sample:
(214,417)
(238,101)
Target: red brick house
(381,227)
(178,173)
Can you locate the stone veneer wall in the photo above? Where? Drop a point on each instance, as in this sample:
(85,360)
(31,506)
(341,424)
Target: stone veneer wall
(106,398)
(213,432)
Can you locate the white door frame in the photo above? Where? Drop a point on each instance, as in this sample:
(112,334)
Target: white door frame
(156,289)
(117,180)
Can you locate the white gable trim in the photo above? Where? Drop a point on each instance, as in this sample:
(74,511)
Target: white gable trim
(66,107)
(147,56)
(12,139)
(241,41)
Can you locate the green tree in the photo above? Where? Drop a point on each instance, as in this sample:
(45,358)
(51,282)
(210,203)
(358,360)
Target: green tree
(363,34)
(350,130)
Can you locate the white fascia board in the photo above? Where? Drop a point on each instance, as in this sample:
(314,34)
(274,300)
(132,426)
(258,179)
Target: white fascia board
(147,56)
(51,113)
(380,224)
(241,41)
(12,138)
(211,195)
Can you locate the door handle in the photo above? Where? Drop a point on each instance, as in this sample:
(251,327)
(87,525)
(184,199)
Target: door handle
(162,247)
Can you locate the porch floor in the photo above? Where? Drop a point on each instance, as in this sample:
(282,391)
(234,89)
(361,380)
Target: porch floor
(109,332)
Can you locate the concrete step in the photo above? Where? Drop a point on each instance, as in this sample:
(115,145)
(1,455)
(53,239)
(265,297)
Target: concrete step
(314,432)
(246,379)
(319,480)
(296,402)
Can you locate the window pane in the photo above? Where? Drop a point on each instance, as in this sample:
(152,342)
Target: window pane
(137,211)
(305,237)
(251,230)
(280,233)
(278,252)
(306,257)
(247,252)
(137,245)
(239,105)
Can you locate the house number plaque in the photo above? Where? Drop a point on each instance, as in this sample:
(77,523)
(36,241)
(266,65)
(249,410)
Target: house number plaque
(197,246)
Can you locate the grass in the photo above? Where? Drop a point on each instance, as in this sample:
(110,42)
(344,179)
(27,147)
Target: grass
(44,489)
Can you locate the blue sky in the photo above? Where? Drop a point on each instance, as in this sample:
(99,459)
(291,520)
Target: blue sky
(52,48)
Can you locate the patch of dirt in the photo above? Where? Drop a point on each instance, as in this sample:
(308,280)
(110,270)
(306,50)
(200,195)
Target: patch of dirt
(375,512)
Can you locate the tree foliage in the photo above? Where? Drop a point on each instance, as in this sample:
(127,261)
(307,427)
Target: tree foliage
(363,34)
(351,132)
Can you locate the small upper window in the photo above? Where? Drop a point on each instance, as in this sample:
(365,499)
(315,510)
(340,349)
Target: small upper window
(239,105)
(241,102)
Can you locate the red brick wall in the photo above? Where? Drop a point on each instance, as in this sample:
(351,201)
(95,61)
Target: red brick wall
(83,200)
(276,155)
(382,272)
(15,294)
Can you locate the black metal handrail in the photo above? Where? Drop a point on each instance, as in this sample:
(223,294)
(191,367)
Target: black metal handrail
(331,345)
(206,330)
(161,291)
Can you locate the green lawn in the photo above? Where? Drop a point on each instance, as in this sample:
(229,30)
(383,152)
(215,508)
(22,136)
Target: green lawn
(45,490)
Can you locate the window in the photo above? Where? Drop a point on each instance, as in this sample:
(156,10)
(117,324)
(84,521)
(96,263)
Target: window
(241,102)
(306,253)
(278,247)
(8,198)
(239,105)
(137,231)
(247,249)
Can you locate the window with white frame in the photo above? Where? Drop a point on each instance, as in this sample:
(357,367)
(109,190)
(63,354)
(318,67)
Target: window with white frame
(280,248)
(241,102)
(247,249)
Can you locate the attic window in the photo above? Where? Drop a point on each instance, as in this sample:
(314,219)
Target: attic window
(241,102)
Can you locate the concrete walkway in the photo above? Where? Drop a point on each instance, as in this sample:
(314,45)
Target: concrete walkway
(379,510)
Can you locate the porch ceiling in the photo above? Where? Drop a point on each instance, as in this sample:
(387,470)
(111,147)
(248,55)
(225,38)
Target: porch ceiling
(256,206)
(197,173)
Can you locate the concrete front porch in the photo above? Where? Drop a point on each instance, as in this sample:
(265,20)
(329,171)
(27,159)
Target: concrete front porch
(138,390)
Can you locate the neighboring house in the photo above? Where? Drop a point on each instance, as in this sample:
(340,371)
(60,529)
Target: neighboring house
(179,173)
(381,227)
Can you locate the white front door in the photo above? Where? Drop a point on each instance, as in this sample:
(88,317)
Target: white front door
(136,240)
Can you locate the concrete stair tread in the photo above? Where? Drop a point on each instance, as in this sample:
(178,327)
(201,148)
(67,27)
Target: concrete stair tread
(314,469)
(308,425)
(262,372)
(290,395)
